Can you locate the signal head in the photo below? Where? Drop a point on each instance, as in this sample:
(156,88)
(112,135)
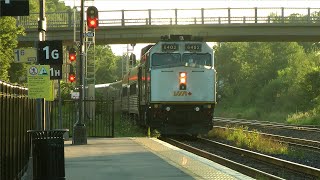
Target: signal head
(72,77)
(92,17)
(72,54)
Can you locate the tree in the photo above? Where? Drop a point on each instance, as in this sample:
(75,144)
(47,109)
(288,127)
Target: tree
(8,41)
(263,77)
(105,65)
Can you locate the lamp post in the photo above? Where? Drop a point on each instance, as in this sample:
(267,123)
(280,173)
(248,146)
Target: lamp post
(79,129)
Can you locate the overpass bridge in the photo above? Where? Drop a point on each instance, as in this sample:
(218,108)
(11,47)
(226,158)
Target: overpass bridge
(213,24)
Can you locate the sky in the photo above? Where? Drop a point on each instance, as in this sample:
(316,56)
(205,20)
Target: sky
(184,4)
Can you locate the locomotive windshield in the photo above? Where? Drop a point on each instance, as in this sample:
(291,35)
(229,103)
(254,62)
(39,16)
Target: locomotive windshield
(200,60)
(165,59)
(197,59)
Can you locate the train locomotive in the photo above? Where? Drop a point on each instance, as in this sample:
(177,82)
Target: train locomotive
(173,89)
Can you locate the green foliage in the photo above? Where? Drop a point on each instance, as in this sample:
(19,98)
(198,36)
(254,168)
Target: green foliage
(126,128)
(311,117)
(105,70)
(254,141)
(267,80)
(66,89)
(8,41)
(17,73)
(51,6)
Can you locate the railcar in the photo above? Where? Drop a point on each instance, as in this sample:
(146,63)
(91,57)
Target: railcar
(173,89)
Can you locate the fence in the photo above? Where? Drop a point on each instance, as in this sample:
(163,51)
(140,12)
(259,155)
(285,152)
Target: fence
(17,115)
(216,16)
(98,116)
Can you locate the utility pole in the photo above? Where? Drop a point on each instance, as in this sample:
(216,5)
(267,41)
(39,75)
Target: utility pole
(79,129)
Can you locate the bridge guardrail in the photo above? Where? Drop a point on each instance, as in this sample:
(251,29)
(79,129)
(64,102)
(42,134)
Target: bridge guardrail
(202,16)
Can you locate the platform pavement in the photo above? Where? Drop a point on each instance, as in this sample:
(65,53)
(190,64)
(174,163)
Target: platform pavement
(138,158)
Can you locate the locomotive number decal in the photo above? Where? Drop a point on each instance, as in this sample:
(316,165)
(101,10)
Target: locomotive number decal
(193,47)
(170,47)
(182,93)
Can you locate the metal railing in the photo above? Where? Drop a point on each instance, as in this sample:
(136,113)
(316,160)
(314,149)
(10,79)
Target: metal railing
(99,116)
(202,16)
(17,115)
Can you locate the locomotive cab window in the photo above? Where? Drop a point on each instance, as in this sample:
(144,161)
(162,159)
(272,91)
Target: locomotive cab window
(203,59)
(165,59)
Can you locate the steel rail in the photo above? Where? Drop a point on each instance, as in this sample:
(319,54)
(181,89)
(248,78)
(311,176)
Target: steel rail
(267,123)
(267,159)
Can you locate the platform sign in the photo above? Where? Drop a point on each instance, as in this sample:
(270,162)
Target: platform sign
(89,34)
(50,52)
(39,84)
(55,71)
(14,7)
(75,95)
(25,55)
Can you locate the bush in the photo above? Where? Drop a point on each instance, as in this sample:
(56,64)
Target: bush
(254,141)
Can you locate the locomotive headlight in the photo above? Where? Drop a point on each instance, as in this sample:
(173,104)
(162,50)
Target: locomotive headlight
(197,109)
(182,80)
(156,106)
(168,108)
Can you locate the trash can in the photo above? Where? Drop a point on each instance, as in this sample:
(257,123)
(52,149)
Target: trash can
(48,154)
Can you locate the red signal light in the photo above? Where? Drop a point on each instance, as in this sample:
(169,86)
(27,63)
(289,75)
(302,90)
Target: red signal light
(72,54)
(72,77)
(72,57)
(92,17)
(92,23)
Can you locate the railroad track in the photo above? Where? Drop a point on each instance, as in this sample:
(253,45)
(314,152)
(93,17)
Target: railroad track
(302,143)
(293,134)
(247,162)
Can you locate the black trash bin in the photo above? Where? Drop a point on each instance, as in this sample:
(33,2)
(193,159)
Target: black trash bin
(48,154)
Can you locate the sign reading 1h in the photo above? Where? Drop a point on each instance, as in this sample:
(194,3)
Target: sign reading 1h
(50,52)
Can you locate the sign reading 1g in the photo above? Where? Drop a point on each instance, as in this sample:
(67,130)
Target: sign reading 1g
(50,52)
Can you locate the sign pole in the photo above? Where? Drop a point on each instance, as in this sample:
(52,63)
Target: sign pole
(40,103)
(79,129)
(59,105)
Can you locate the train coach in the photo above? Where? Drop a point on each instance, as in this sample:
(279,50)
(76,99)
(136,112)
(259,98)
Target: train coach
(173,89)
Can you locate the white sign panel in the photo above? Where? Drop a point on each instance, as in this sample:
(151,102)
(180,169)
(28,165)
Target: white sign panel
(25,55)
(75,95)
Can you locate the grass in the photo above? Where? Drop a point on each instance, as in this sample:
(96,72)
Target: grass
(126,128)
(311,117)
(253,141)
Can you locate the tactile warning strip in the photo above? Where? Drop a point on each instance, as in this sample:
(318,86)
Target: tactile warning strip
(195,166)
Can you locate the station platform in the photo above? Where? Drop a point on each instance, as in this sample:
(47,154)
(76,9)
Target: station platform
(139,158)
